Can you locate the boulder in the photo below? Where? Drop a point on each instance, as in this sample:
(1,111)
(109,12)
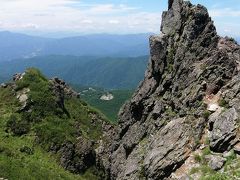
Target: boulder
(170,147)
(77,157)
(215,162)
(224,131)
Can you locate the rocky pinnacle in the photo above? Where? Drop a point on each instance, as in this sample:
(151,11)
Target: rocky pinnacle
(190,88)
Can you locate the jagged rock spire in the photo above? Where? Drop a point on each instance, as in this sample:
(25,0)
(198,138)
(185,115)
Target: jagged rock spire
(172,19)
(170,2)
(189,64)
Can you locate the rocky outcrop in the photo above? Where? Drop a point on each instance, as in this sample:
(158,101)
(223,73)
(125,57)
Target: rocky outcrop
(77,157)
(18,76)
(192,73)
(22,96)
(224,131)
(62,91)
(216,162)
(60,87)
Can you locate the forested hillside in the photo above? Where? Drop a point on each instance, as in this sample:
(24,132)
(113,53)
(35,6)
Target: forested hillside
(111,73)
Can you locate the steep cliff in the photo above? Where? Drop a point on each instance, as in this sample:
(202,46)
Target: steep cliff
(187,104)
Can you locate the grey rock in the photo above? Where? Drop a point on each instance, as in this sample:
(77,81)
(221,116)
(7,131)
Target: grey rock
(62,91)
(18,76)
(216,162)
(168,148)
(67,151)
(224,131)
(77,157)
(58,85)
(165,119)
(227,154)
(236,148)
(3,85)
(172,19)
(23,98)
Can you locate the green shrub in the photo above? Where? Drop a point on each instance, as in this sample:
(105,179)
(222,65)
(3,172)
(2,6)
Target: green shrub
(206,151)
(223,103)
(42,99)
(194,170)
(231,157)
(207,141)
(216,176)
(17,125)
(142,173)
(32,75)
(54,131)
(6,151)
(170,112)
(26,149)
(198,158)
(206,114)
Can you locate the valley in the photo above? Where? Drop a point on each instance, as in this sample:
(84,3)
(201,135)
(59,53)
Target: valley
(110,108)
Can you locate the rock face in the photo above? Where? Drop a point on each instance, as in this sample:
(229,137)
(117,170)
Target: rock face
(216,162)
(224,131)
(60,86)
(191,71)
(62,91)
(79,157)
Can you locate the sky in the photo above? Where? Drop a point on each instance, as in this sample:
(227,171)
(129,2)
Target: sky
(46,17)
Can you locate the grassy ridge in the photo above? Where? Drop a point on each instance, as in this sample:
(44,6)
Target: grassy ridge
(26,136)
(15,164)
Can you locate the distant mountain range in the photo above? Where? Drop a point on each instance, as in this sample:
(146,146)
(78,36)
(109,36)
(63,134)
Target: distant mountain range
(110,73)
(15,45)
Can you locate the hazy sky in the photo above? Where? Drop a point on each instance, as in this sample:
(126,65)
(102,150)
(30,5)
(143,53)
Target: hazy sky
(105,16)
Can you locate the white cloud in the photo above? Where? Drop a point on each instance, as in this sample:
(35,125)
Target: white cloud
(87,21)
(102,8)
(226,21)
(227,30)
(226,12)
(113,21)
(72,15)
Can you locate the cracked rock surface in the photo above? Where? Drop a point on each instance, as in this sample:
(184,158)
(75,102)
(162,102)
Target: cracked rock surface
(192,76)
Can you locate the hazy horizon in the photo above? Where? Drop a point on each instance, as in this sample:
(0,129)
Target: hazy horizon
(59,35)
